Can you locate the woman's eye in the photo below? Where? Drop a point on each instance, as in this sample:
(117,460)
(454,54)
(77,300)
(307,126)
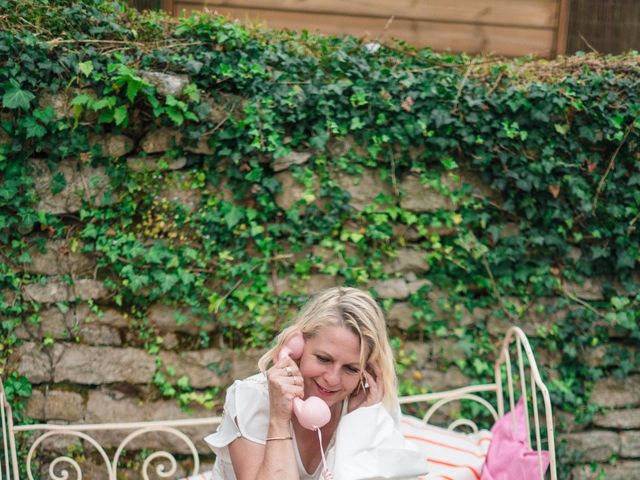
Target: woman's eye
(322,359)
(352,369)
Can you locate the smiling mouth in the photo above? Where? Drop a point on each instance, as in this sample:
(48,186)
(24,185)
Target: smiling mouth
(324,390)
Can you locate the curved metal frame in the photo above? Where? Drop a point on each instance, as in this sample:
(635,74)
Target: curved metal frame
(438,399)
(516,336)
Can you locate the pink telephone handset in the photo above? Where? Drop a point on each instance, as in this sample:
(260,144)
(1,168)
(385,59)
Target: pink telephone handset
(312,413)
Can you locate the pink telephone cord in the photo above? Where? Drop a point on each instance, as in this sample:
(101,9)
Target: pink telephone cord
(326,473)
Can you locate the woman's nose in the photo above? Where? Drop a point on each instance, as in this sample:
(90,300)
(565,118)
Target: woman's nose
(332,376)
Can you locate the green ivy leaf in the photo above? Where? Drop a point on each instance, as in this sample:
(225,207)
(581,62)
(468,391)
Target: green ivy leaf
(233,216)
(120,115)
(33,128)
(58,183)
(86,68)
(175,115)
(17,98)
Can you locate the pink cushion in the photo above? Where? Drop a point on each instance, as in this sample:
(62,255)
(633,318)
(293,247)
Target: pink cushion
(509,456)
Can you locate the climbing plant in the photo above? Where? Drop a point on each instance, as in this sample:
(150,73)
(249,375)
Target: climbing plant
(556,143)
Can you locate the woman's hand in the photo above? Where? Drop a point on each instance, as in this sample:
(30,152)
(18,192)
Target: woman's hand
(285,384)
(370,392)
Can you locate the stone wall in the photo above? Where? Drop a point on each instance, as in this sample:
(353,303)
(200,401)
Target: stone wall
(88,367)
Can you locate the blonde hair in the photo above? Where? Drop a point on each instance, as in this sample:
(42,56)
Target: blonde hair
(356,310)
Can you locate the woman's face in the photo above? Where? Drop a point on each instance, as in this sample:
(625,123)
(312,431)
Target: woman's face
(330,364)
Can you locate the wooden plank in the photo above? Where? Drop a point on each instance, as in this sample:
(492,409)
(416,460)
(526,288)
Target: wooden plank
(606,26)
(440,36)
(530,13)
(167,6)
(563,28)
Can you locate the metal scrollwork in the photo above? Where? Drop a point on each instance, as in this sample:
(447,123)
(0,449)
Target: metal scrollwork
(65,473)
(160,469)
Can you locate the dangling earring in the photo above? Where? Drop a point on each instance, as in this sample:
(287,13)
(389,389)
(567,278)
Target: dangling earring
(362,384)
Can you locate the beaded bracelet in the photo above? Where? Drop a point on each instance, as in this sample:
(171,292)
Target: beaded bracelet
(280,438)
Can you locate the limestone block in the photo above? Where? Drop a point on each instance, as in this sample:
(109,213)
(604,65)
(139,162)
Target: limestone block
(401,315)
(35,405)
(223,106)
(83,183)
(37,362)
(619,419)
(292,192)
(99,365)
(161,140)
(406,233)
(152,164)
(422,198)
(510,229)
(112,145)
(58,259)
(438,349)
(56,405)
(329,255)
(68,326)
(592,446)
(589,289)
(173,319)
(407,260)
(212,367)
(60,102)
(630,444)
(107,406)
(396,288)
(478,187)
(58,291)
(201,147)
(99,335)
(416,285)
(166,84)
(292,158)
(169,341)
(616,393)
(318,282)
(177,190)
(542,314)
(363,189)
(593,357)
(621,470)
(338,147)
(4,138)
(566,422)
(436,380)
(548,358)
(7,296)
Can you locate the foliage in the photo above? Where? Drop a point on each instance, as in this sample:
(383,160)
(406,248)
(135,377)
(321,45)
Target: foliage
(558,150)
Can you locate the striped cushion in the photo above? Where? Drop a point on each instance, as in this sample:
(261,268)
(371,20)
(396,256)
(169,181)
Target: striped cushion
(451,455)
(201,476)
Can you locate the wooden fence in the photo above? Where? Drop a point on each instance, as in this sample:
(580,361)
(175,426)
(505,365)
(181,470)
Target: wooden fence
(606,26)
(505,27)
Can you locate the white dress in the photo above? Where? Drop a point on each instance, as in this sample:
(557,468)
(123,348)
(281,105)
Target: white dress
(367,444)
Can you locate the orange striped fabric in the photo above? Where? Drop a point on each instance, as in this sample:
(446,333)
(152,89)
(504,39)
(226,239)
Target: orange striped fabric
(201,476)
(451,455)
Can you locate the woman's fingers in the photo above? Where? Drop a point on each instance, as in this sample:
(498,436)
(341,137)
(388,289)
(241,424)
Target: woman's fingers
(374,392)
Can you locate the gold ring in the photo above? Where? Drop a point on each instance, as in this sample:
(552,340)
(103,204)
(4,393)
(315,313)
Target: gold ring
(289,371)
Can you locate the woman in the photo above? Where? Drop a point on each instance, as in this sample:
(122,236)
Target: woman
(347,362)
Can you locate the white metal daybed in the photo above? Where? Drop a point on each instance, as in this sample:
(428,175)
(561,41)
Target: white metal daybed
(516,372)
